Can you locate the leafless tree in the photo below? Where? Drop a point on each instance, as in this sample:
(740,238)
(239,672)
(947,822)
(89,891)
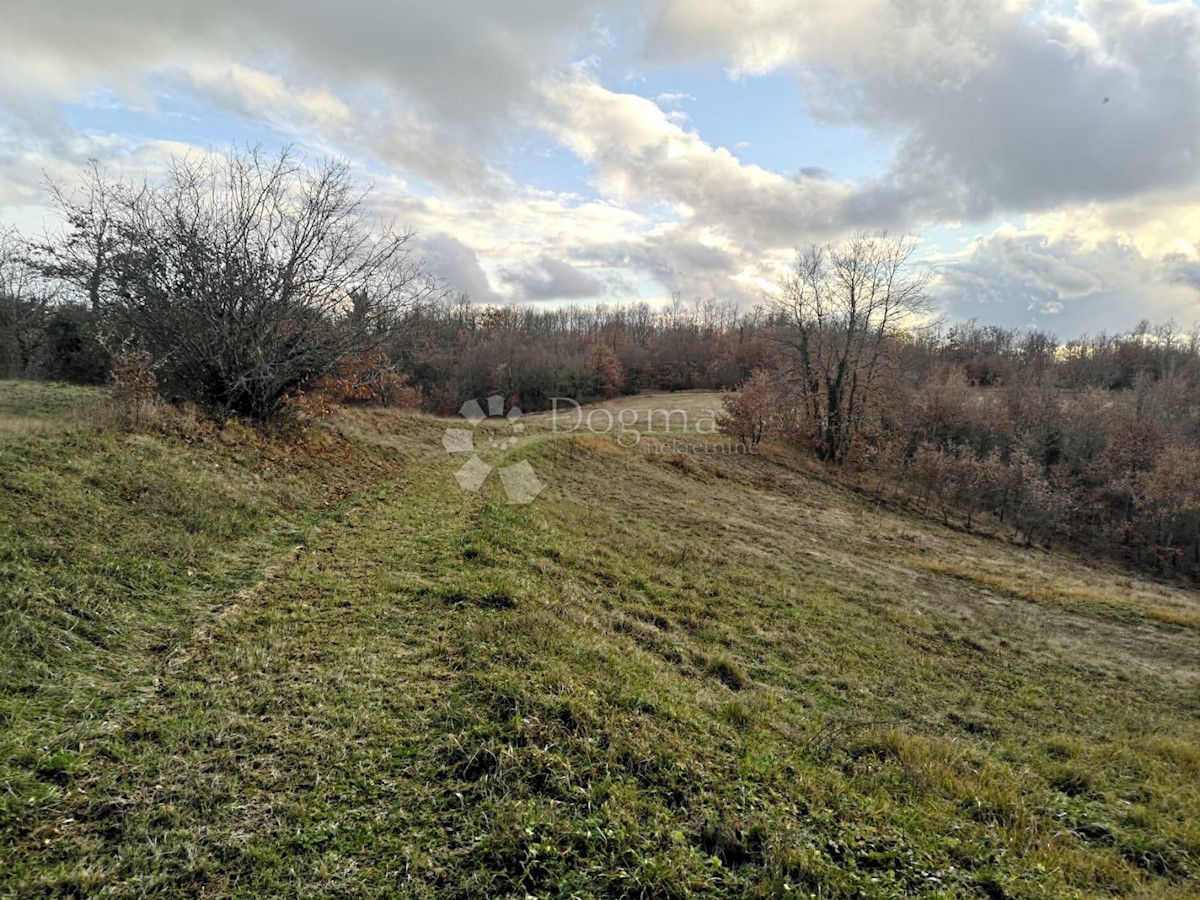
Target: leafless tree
(244,275)
(79,253)
(843,305)
(24,301)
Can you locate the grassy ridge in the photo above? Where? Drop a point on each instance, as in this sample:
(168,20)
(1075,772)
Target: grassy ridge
(669,676)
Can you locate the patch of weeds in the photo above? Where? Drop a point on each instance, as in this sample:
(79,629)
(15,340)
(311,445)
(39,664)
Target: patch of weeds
(737,714)
(728,672)
(973,723)
(1156,855)
(481,596)
(59,767)
(1072,780)
(731,841)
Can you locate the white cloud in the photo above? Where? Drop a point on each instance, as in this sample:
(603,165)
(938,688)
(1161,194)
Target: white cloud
(1067,283)
(639,156)
(1082,124)
(672,98)
(998,106)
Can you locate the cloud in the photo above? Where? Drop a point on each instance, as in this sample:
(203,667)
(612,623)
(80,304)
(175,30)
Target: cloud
(551,279)
(461,69)
(1066,284)
(509,249)
(1180,268)
(1097,110)
(672,98)
(639,156)
(378,127)
(681,258)
(456,266)
(998,107)
(757,37)
(1081,125)
(29,160)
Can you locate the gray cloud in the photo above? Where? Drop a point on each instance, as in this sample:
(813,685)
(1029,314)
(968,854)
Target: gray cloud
(551,279)
(456,266)
(1185,270)
(459,69)
(997,106)
(1047,120)
(677,258)
(1024,278)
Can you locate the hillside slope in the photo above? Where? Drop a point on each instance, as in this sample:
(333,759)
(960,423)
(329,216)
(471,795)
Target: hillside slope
(673,674)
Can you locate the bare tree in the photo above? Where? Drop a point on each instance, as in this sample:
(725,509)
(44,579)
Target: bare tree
(24,302)
(245,276)
(843,305)
(79,253)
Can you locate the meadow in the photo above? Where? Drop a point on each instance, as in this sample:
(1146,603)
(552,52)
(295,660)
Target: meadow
(244,662)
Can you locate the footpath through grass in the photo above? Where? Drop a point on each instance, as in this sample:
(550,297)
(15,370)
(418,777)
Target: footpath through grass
(669,676)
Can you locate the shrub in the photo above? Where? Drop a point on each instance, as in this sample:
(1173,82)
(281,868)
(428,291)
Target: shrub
(368,377)
(71,349)
(749,414)
(246,277)
(133,382)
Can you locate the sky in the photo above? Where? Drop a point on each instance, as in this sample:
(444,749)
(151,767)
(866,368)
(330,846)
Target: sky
(1045,155)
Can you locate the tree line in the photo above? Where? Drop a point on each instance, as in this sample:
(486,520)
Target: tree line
(1092,443)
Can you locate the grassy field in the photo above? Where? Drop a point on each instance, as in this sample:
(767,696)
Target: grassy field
(248,665)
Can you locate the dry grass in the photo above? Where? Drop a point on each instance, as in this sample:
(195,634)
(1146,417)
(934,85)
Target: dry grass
(1063,590)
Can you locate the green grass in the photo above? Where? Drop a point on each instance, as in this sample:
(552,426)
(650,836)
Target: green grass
(114,548)
(667,677)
